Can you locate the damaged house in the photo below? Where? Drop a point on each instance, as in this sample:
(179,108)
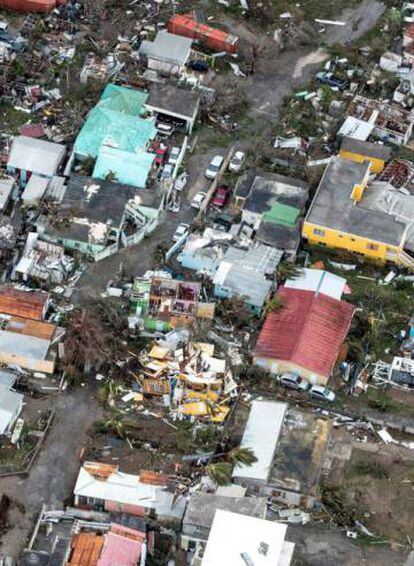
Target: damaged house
(116,137)
(103,487)
(273,205)
(168,54)
(43,262)
(96,217)
(32,157)
(290,447)
(373,220)
(159,304)
(25,340)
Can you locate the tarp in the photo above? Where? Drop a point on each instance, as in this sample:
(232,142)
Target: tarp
(127,168)
(32,5)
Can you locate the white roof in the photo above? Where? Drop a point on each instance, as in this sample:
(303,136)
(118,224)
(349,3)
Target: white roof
(237,540)
(356,129)
(35,189)
(319,281)
(261,435)
(127,489)
(6,187)
(168,47)
(30,347)
(38,156)
(10,406)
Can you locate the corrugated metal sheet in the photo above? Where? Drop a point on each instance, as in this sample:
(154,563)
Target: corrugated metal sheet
(32,5)
(307,331)
(25,304)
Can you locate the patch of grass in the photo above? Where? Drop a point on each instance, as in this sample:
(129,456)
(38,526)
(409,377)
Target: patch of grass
(369,468)
(12,118)
(380,401)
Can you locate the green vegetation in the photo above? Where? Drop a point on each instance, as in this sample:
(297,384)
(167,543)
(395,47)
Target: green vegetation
(369,467)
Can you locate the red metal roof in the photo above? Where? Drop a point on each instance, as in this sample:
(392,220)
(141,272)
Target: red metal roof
(32,5)
(307,331)
(409,31)
(26,304)
(32,130)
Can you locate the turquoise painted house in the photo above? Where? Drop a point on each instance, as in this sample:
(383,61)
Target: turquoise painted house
(117,136)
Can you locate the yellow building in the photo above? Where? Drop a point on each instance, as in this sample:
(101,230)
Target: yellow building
(359,151)
(340,217)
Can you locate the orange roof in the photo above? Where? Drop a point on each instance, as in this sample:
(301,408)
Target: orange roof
(29,327)
(153,478)
(85,549)
(100,471)
(26,304)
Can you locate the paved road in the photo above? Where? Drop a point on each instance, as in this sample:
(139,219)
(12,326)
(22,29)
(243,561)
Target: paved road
(54,472)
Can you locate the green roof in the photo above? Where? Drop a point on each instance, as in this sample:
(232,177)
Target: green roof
(115,121)
(282,214)
(122,99)
(128,168)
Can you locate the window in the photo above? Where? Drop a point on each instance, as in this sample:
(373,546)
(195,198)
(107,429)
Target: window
(77,245)
(353,240)
(373,247)
(318,232)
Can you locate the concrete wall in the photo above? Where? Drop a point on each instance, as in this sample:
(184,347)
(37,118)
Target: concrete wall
(281,366)
(357,244)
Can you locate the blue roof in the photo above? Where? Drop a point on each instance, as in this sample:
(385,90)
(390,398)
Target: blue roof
(128,168)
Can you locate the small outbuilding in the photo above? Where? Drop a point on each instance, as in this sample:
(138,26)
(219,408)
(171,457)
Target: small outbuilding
(168,54)
(30,156)
(175,104)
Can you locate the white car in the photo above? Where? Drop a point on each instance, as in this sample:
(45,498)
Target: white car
(321,393)
(214,167)
(293,381)
(181,182)
(174,155)
(198,200)
(180,231)
(237,161)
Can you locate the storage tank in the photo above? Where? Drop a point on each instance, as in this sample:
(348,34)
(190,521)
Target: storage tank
(32,5)
(214,39)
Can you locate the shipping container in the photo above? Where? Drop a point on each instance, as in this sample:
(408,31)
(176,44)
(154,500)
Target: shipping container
(32,5)
(214,39)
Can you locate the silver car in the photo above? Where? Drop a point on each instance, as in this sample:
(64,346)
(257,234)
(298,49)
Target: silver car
(293,381)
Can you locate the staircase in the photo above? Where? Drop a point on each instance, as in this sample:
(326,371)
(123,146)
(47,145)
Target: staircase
(401,258)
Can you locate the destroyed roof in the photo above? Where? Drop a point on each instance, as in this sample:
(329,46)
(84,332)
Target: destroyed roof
(173,100)
(267,189)
(86,549)
(308,330)
(261,435)
(38,156)
(368,149)
(202,507)
(93,206)
(356,129)
(237,539)
(10,403)
(127,489)
(26,304)
(167,47)
(333,208)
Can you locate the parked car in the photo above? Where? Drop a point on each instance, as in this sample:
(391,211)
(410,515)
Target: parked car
(160,153)
(221,196)
(198,200)
(174,154)
(214,167)
(164,130)
(237,161)
(198,65)
(180,231)
(332,80)
(321,393)
(167,171)
(293,381)
(181,182)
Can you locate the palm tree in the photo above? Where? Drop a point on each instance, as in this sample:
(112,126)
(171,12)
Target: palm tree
(273,305)
(287,270)
(220,472)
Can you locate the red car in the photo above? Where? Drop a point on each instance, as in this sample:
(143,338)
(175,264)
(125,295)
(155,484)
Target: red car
(161,153)
(221,196)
